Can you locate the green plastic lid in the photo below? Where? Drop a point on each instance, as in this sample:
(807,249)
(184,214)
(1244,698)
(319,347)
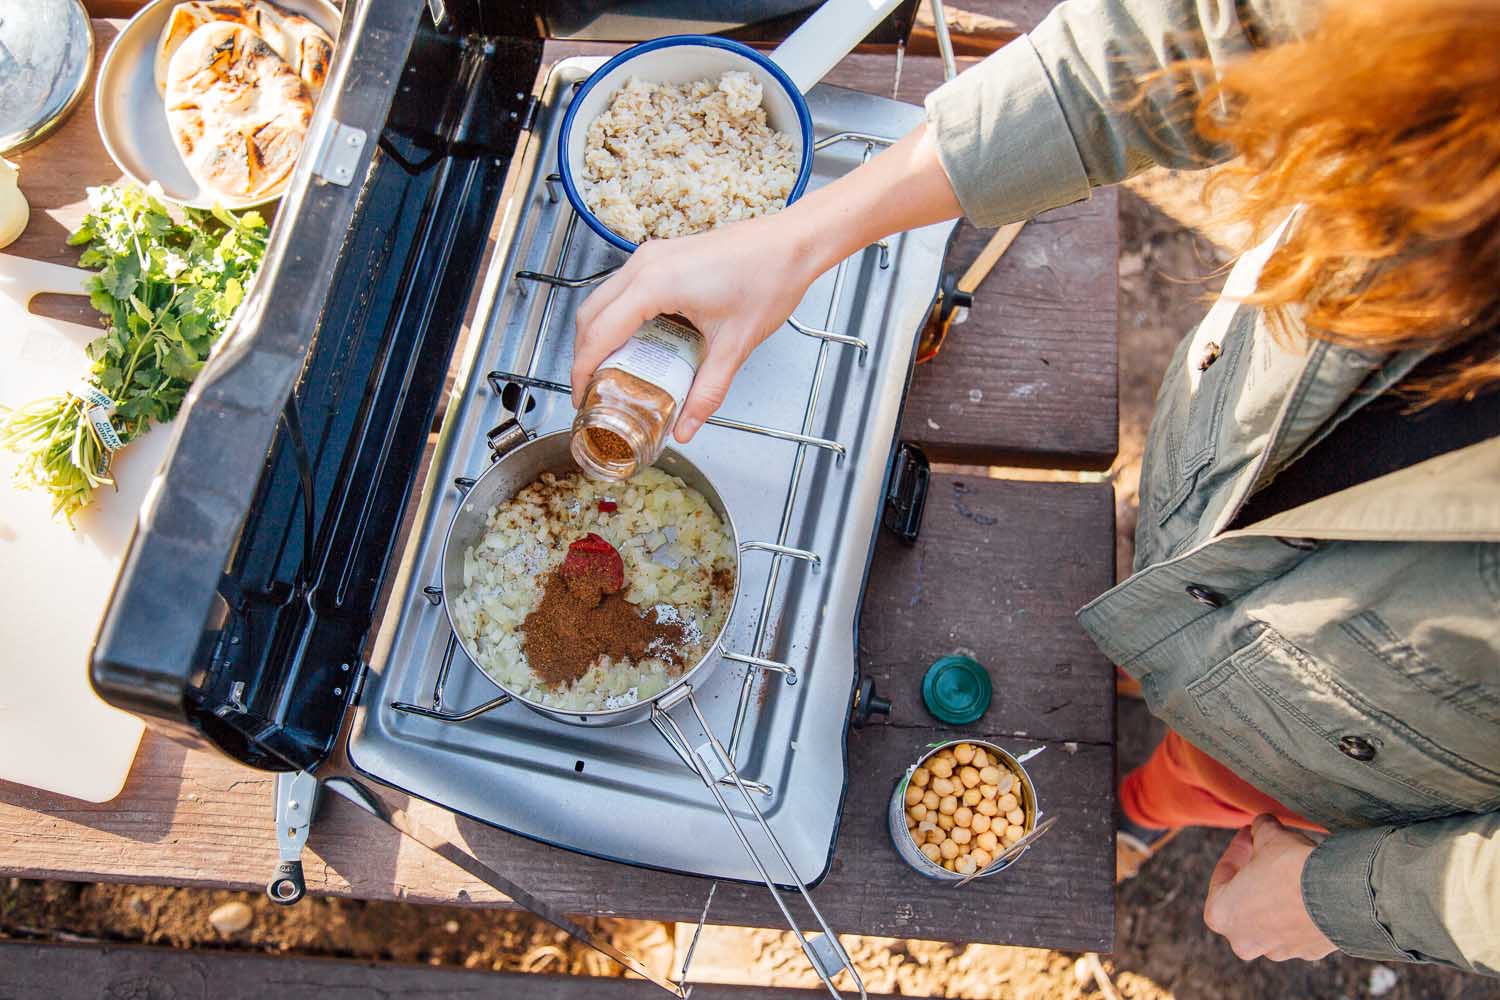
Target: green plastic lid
(956,690)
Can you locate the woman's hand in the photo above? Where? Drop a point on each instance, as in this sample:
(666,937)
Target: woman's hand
(1255,895)
(737,285)
(740,283)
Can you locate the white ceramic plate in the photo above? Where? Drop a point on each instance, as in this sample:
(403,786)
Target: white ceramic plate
(133,120)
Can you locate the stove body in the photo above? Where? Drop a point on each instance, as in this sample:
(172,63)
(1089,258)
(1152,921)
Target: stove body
(611,792)
(246,613)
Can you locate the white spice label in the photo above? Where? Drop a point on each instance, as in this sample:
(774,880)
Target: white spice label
(664,352)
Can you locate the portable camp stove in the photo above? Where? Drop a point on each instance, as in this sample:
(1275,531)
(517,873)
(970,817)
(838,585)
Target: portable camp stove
(800,453)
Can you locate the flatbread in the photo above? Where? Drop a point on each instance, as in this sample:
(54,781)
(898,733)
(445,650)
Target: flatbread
(237,111)
(301,43)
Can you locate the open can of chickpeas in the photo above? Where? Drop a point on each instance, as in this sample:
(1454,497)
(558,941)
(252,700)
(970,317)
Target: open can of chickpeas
(958,807)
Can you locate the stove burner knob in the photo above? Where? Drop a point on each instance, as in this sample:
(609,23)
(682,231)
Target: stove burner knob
(868,703)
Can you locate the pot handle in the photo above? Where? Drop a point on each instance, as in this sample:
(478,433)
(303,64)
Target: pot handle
(828,36)
(505,437)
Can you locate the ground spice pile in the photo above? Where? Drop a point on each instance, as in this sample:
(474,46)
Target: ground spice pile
(583,616)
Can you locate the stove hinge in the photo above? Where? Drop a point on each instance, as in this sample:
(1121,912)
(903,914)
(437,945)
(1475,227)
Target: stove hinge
(527,115)
(358,669)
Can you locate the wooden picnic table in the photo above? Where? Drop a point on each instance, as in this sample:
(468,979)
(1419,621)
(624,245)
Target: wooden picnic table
(997,573)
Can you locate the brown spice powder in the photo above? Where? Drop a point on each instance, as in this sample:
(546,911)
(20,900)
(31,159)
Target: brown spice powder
(581,619)
(608,445)
(722,581)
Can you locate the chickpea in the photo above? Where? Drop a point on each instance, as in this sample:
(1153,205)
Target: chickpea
(980,757)
(972,797)
(948,805)
(943,786)
(1007,782)
(931,852)
(990,775)
(963,753)
(946,822)
(930,799)
(920,777)
(913,795)
(936,835)
(987,807)
(960,835)
(948,865)
(987,841)
(919,811)
(969,777)
(949,849)
(979,823)
(911,821)
(963,816)
(965,865)
(1013,833)
(1008,802)
(989,791)
(1016,817)
(981,858)
(941,767)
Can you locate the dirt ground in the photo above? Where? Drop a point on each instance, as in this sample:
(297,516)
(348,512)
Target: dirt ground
(1163,950)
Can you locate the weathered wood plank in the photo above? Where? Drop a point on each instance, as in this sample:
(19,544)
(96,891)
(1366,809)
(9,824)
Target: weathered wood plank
(87,972)
(190,817)
(997,573)
(1032,377)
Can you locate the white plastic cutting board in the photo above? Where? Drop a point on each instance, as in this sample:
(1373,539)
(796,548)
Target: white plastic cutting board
(55,582)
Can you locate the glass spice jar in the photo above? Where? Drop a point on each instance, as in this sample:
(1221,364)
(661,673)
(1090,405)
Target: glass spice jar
(634,398)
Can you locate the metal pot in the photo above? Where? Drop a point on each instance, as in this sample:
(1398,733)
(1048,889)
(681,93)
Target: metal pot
(515,469)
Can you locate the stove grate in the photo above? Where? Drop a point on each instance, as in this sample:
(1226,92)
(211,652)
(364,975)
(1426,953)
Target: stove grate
(779,550)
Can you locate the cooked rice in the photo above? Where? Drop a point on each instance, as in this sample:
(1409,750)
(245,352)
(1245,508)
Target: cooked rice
(668,160)
(659,520)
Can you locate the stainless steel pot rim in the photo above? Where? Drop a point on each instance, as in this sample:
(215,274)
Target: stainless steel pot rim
(670,694)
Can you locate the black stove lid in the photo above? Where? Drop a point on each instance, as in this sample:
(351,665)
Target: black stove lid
(250,586)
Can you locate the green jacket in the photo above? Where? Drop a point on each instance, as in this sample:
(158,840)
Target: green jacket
(1343,656)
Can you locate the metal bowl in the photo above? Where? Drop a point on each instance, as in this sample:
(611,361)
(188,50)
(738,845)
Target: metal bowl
(513,472)
(133,120)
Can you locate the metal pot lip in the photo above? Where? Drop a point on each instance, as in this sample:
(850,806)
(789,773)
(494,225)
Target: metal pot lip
(565,168)
(706,662)
(1034,814)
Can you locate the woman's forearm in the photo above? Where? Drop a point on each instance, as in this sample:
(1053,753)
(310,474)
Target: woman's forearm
(902,188)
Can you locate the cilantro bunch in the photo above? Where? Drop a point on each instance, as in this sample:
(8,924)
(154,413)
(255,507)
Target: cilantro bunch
(168,288)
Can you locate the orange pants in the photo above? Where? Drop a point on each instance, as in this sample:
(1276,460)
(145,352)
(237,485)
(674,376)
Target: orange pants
(1183,786)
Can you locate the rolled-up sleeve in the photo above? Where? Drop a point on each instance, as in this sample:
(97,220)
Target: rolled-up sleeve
(1424,892)
(1086,99)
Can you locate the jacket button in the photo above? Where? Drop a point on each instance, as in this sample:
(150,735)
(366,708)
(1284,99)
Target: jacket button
(1204,596)
(1357,747)
(1211,352)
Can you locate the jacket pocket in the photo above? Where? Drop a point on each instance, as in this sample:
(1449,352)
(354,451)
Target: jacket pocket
(1294,727)
(1212,357)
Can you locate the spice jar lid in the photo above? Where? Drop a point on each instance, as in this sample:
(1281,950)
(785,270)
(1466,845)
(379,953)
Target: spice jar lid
(48,53)
(956,689)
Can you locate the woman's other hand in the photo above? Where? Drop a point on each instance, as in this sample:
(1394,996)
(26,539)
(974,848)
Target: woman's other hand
(1255,895)
(737,285)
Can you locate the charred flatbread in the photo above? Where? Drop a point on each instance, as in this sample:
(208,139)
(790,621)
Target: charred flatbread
(302,44)
(237,111)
